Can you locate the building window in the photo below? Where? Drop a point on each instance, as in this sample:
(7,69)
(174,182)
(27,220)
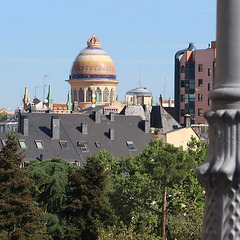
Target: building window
(98,94)
(39,144)
(200,97)
(182,112)
(192,84)
(83,146)
(209,86)
(105,95)
(182,98)
(182,83)
(208,102)
(182,69)
(209,72)
(81,95)
(111,95)
(98,144)
(63,144)
(89,95)
(131,146)
(75,95)
(200,111)
(200,67)
(22,143)
(4,142)
(200,82)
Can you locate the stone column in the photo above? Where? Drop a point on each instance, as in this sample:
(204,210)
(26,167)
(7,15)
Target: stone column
(220,173)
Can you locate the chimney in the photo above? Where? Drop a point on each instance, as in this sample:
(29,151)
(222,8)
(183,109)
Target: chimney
(23,126)
(111,133)
(97,116)
(55,127)
(146,126)
(75,106)
(112,117)
(187,120)
(160,100)
(84,128)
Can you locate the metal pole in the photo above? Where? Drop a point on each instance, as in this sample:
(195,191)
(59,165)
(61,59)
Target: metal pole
(220,173)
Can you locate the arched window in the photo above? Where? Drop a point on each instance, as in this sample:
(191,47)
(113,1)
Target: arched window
(111,95)
(89,95)
(75,95)
(81,95)
(98,94)
(105,95)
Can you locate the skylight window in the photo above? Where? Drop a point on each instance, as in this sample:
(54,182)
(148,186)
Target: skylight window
(63,144)
(4,142)
(131,146)
(83,146)
(22,143)
(39,144)
(98,144)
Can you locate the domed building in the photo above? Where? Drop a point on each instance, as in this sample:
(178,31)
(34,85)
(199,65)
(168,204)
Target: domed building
(93,76)
(139,96)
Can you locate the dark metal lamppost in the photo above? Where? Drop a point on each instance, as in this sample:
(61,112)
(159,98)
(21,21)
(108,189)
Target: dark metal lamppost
(220,173)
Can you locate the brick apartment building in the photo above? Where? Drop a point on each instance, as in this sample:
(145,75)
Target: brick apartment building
(194,78)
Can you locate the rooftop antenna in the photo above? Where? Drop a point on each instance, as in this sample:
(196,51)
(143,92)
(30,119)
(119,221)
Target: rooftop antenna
(139,77)
(164,89)
(44,85)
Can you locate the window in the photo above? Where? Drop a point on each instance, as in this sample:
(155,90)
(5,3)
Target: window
(105,95)
(192,84)
(209,72)
(200,111)
(98,144)
(182,83)
(131,146)
(182,69)
(98,95)
(182,97)
(75,95)
(39,144)
(111,95)
(83,146)
(191,97)
(22,143)
(200,97)
(200,82)
(208,102)
(81,95)
(63,144)
(209,86)
(200,67)
(89,95)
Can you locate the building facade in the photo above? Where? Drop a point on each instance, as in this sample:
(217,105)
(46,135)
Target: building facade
(194,79)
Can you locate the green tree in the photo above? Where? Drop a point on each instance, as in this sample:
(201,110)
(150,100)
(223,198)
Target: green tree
(50,186)
(19,216)
(143,180)
(88,206)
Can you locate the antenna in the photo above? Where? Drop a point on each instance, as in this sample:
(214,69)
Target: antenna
(139,77)
(44,85)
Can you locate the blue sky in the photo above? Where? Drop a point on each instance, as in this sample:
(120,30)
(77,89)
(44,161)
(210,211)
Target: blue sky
(44,37)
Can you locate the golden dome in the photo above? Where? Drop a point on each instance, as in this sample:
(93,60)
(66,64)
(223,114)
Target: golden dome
(93,63)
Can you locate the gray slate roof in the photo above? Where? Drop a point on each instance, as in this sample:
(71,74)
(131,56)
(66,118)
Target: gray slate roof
(126,128)
(160,118)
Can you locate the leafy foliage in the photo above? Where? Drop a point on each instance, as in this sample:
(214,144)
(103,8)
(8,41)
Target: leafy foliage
(19,217)
(87,206)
